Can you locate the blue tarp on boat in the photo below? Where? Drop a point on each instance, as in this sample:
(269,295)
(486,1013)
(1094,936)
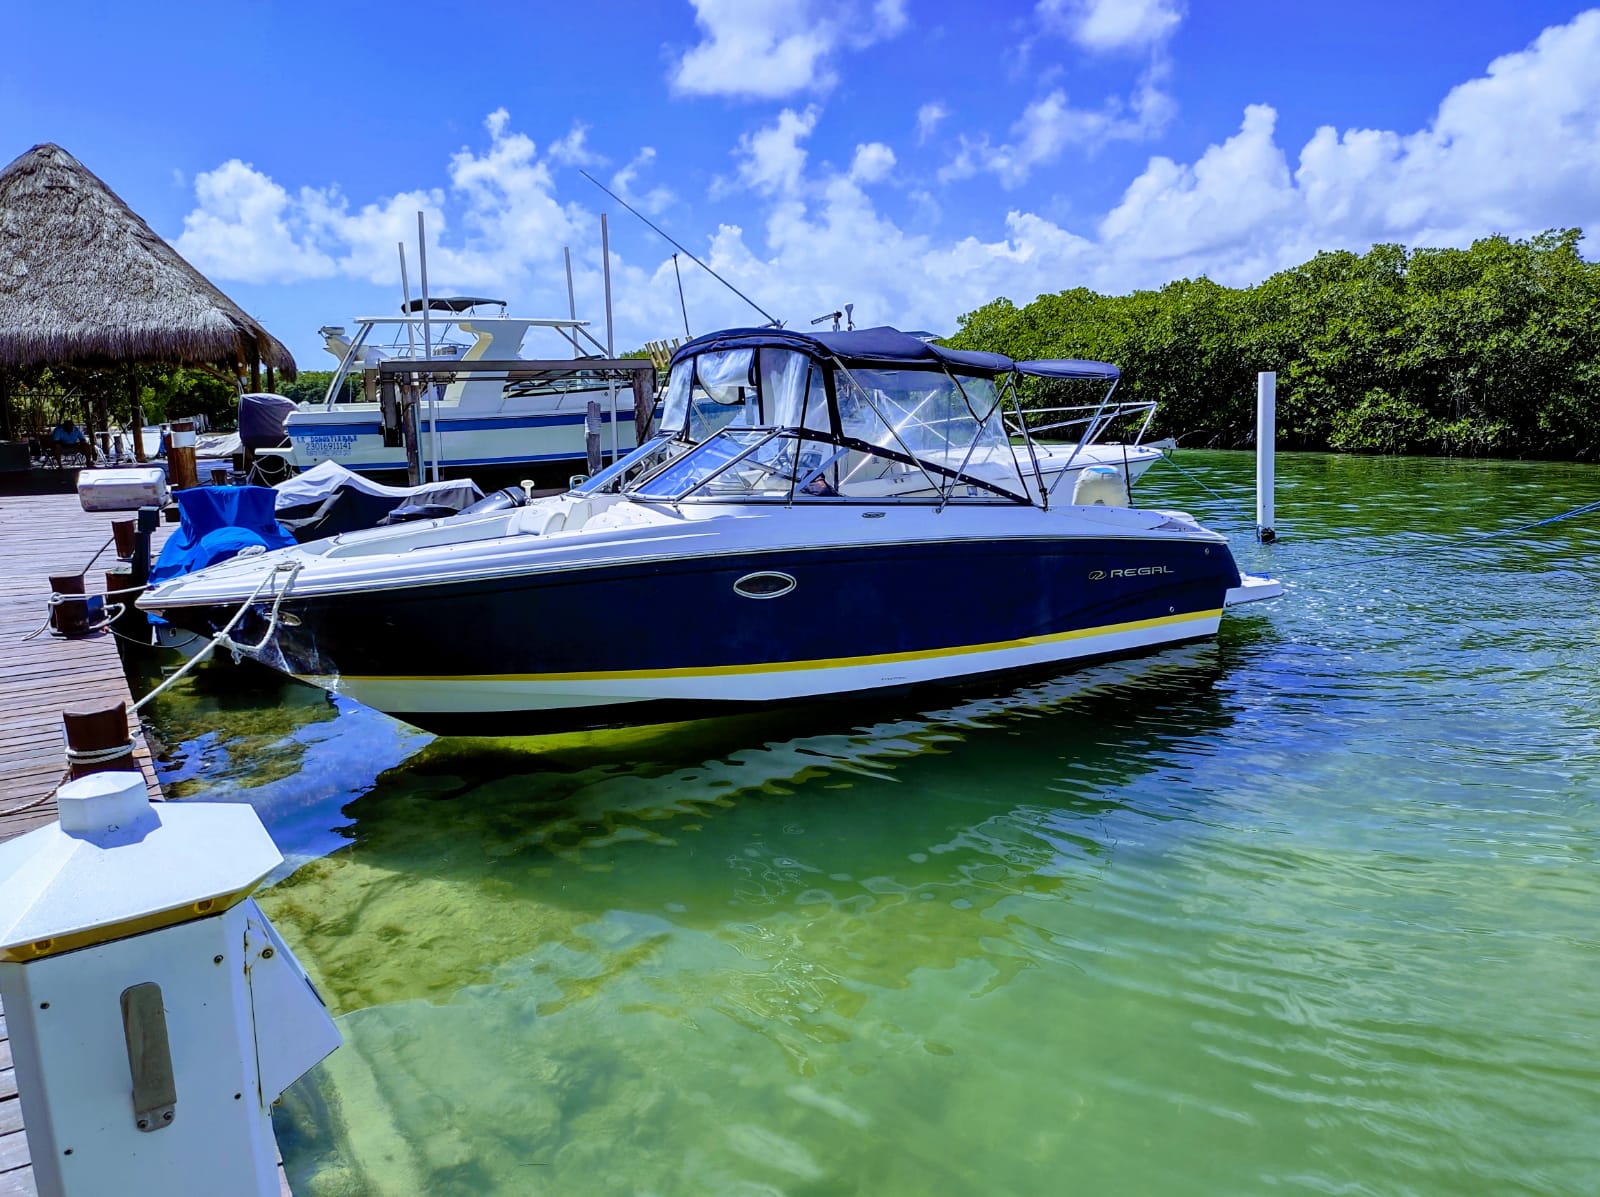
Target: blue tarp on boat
(218,522)
(889,347)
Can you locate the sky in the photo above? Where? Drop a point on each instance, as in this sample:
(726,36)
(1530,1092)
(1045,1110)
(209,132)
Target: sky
(912,158)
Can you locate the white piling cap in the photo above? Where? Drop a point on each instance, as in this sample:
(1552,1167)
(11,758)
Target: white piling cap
(103,802)
(118,865)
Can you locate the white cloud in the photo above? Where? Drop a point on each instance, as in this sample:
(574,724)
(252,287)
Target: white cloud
(771,160)
(872,163)
(1050,125)
(653,201)
(1110,25)
(769,49)
(246,227)
(1515,151)
(571,150)
(929,117)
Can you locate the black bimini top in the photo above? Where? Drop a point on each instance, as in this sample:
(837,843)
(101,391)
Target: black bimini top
(451,303)
(888,347)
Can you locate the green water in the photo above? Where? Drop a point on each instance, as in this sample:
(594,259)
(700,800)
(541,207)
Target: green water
(1314,909)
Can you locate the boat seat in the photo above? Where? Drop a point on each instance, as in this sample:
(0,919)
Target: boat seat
(538,521)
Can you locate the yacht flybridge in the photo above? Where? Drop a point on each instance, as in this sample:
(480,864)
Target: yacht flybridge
(482,420)
(818,514)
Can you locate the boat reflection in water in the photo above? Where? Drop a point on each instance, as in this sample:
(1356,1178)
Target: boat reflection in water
(837,513)
(535,947)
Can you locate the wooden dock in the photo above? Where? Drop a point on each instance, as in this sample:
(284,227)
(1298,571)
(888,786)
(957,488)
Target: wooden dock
(41,535)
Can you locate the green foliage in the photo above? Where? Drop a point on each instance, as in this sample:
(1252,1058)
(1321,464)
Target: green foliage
(312,385)
(98,396)
(1487,350)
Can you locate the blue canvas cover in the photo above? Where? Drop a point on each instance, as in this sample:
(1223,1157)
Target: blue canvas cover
(218,522)
(867,347)
(1068,368)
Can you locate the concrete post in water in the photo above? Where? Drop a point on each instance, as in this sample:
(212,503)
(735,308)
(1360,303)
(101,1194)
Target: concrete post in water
(1266,449)
(180,455)
(97,740)
(154,1012)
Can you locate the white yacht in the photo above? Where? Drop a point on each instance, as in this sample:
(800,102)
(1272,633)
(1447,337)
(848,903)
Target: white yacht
(482,421)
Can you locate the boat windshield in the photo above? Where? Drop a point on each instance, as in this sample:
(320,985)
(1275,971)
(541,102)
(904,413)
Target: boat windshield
(769,426)
(644,460)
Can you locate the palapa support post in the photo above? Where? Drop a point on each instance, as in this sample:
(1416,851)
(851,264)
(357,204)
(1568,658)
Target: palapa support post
(70,618)
(137,415)
(125,532)
(180,455)
(7,427)
(97,740)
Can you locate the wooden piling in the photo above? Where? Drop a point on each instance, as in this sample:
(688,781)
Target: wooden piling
(180,456)
(124,530)
(96,733)
(123,591)
(70,618)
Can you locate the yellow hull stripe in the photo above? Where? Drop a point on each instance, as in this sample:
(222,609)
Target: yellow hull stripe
(1138,625)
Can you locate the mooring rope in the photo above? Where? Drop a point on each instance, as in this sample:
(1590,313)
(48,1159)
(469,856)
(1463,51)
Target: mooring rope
(224,637)
(99,756)
(1574,513)
(1581,510)
(1197,480)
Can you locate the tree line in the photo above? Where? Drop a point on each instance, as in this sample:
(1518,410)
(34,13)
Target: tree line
(1487,351)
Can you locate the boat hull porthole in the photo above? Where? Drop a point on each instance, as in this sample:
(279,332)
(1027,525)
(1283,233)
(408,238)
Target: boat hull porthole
(768,584)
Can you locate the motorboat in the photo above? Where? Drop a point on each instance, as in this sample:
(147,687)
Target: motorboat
(818,514)
(477,420)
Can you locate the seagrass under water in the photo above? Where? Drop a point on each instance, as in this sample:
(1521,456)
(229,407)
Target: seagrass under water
(1311,910)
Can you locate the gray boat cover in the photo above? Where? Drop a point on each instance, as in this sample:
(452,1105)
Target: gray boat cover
(328,499)
(261,420)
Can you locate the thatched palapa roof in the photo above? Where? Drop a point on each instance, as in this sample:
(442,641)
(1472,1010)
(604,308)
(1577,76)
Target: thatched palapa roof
(85,281)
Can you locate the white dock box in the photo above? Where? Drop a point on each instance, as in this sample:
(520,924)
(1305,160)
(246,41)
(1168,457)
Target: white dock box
(122,490)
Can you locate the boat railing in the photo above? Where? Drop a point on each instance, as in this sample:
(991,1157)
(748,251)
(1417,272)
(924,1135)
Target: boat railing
(1095,418)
